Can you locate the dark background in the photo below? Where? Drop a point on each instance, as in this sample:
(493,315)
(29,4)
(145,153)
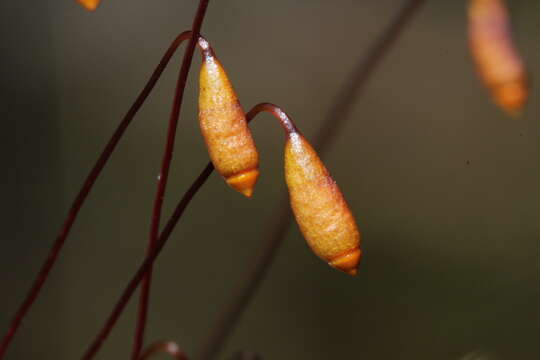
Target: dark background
(443,184)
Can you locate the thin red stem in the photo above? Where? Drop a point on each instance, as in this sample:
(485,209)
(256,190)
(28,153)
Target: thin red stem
(62,236)
(146,265)
(168,347)
(153,254)
(164,175)
(285,121)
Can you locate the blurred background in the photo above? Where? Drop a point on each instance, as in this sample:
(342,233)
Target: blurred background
(443,184)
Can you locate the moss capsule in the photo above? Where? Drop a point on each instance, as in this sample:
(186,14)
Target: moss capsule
(224,127)
(319,207)
(89,5)
(497,61)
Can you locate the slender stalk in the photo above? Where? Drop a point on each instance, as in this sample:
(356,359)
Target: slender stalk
(154,253)
(147,264)
(63,234)
(169,347)
(284,120)
(333,120)
(164,175)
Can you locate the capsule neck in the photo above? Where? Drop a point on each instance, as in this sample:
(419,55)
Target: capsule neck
(285,121)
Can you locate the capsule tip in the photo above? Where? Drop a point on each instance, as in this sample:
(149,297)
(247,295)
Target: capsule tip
(512,97)
(347,262)
(89,5)
(244,182)
(352,272)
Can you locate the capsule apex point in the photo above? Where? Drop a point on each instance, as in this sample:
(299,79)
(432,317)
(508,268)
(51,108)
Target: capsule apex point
(89,5)
(512,98)
(244,182)
(347,262)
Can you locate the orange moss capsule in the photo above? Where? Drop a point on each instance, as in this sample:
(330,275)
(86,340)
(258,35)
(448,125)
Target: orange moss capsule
(89,5)
(319,207)
(224,127)
(497,60)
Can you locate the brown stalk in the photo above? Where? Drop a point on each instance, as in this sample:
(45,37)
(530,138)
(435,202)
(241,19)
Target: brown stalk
(144,299)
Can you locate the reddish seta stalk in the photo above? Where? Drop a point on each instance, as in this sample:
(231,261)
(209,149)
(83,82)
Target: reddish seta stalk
(164,174)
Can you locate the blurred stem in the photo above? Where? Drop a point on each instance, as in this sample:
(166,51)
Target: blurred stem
(77,204)
(144,299)
(332,123)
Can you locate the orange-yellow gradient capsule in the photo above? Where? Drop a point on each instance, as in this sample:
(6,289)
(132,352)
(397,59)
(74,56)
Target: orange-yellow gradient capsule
(497,60)
(89,5)
(319,207)
(224,127)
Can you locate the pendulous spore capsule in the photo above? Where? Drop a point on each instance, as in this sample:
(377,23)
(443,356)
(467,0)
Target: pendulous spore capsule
(224,127)
(319,207)
(497,60)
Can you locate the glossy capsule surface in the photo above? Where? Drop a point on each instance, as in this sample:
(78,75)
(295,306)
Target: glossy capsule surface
(224,127)
(319,207)
(497,60)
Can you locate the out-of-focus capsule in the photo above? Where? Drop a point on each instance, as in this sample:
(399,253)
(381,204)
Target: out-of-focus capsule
(497,60)
(168,347)
(89,5)
(224,127)
(319,207)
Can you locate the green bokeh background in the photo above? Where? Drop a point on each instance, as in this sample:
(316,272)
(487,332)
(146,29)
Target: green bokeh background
(443,184)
